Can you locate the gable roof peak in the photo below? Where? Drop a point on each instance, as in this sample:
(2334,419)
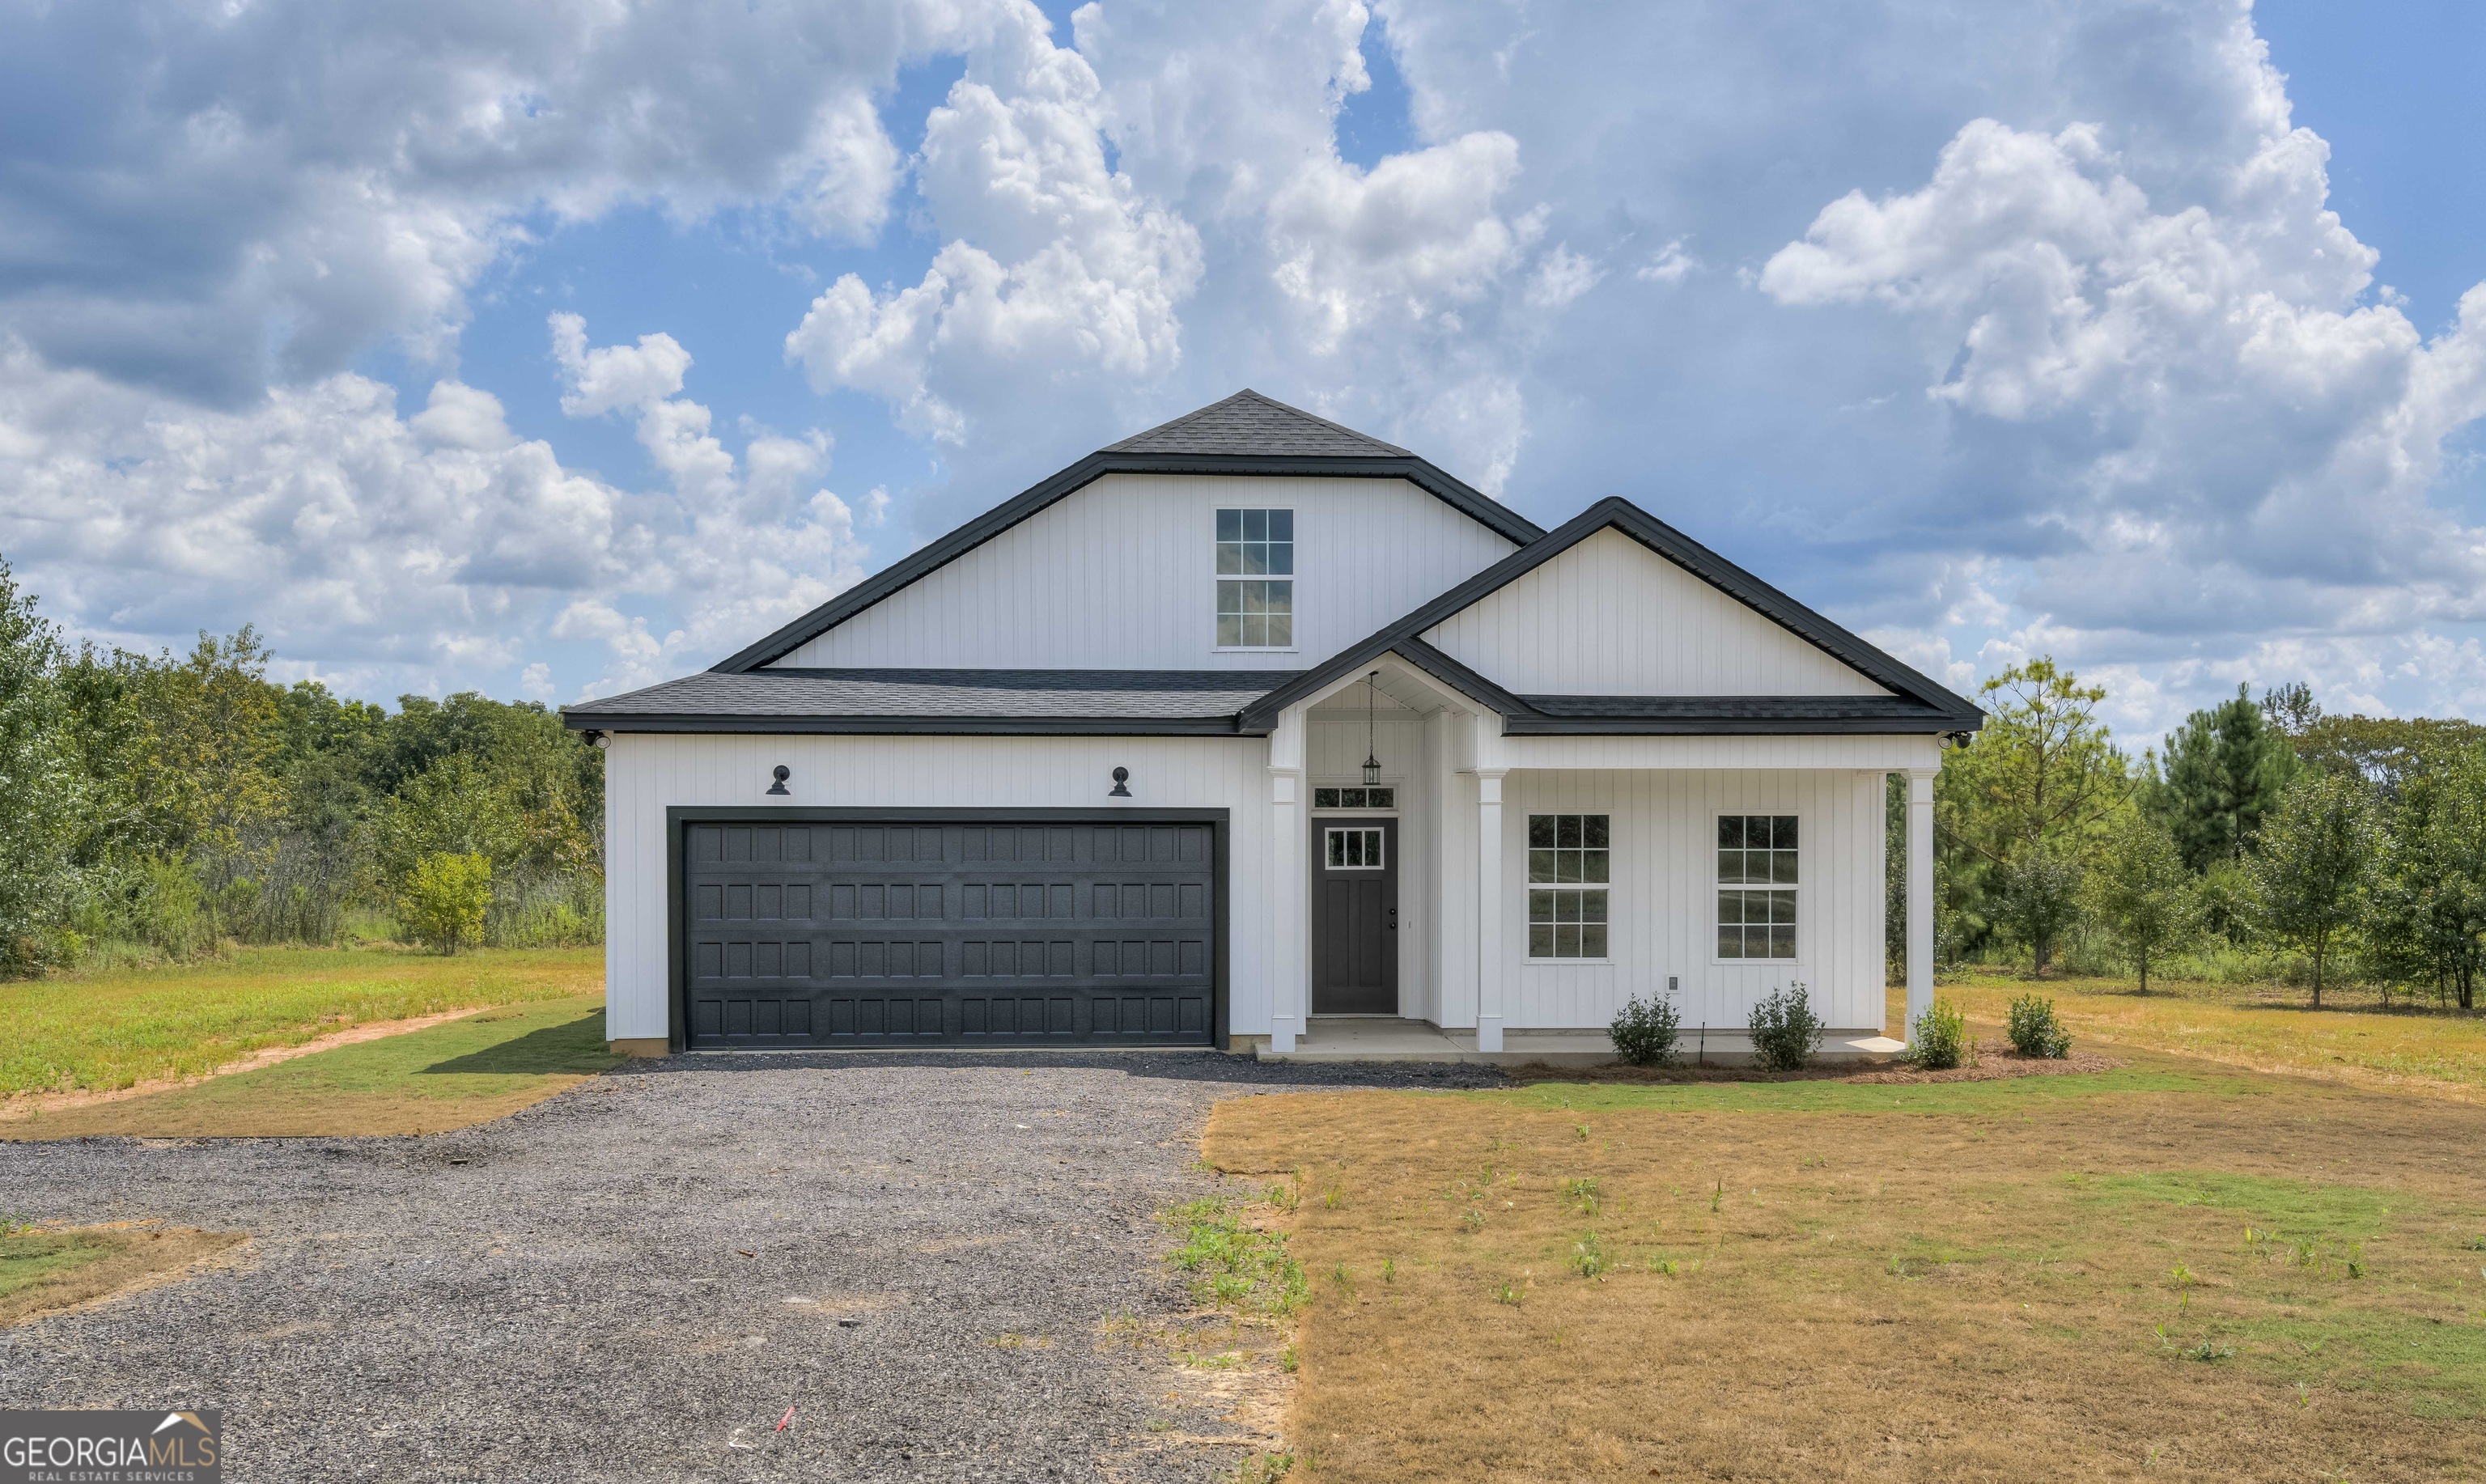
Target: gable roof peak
(1249,423)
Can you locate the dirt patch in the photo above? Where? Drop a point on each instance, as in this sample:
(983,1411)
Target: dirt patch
(111,1263)
(43,1105)
(2261,1283)
(1995,1060)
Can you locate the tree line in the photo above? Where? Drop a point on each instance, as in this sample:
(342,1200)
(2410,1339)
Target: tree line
(164,805)
(2312,846)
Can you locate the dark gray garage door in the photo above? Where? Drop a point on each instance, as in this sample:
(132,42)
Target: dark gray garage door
(921,932)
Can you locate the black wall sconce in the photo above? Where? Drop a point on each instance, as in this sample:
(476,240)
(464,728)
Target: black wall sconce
(780,773)
(1121,783)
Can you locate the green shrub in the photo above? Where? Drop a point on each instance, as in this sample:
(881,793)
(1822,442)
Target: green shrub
(170,910)
(2035,1031)
(444,898)
(1644,1032)
(1785,1032)
(1939,1039)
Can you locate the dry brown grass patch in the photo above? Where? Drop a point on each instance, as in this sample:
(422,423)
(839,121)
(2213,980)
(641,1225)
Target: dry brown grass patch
(52,1270)
(1971,1293)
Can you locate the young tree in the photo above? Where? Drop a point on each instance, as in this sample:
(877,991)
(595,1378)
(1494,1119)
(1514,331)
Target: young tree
(2040,900)
(2309,872)
(2426,920)
(42,791)
(2225,770)
(2039,780)
(2139,893)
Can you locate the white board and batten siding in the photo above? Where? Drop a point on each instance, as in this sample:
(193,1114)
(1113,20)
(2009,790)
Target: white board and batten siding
(1663,895)
(648,773)
(1611,617)
(1121,575)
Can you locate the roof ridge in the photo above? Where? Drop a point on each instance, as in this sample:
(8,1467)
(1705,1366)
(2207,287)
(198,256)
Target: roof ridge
(1239,413)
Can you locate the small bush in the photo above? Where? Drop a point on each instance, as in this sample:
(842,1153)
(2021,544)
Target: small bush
(1785,1033)
(1644,1032)
(444,898)
(2035,1031)
(1939,1039)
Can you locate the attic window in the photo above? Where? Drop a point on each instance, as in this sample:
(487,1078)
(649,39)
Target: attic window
(1256,589)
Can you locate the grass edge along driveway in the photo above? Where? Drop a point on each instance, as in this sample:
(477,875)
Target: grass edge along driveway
(2175,1271)
(466,1071)
(102,1032)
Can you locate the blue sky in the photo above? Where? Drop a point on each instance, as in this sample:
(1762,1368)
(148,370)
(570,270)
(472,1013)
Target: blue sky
(553,352)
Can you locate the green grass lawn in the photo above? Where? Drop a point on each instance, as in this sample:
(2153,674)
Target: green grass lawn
(2267,1026)
(105,1031)
(462,1072)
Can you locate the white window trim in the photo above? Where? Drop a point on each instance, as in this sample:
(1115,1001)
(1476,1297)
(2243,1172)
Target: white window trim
(1379,833)
(1803,906)
(1290,578)
(1607,886)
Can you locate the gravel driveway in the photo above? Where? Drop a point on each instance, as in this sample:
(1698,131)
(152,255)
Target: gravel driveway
(565,1294)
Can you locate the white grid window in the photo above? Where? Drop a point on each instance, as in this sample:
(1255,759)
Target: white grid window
(1256,589)
(1567,859)
(1756,886)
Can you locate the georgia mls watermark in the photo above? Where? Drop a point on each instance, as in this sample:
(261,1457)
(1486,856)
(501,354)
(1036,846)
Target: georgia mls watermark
(112,1447)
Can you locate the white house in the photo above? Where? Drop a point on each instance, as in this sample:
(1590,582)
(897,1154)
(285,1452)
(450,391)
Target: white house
(1253,720)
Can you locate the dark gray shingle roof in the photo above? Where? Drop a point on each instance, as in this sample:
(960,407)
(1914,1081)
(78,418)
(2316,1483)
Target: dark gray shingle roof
(1249,423)
(937,700)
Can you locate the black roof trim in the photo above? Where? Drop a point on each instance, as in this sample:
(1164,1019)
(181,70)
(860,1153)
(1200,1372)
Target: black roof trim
(936,701)
(913,726)
(1718,715)
(1457,676)
(1956,712)
(1457,493)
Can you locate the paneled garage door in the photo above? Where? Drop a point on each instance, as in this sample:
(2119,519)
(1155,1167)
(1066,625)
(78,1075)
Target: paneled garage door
(907,932)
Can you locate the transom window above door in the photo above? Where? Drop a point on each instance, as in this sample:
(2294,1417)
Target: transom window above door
(1569,858)
(1256,589)
(1352,848)
(1355,798)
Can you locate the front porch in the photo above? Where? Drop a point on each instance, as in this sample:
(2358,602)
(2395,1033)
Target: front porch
(1394,1038)
(1479,943)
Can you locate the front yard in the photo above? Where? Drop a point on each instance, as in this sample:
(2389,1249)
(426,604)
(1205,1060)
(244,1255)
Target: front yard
(2171,1268)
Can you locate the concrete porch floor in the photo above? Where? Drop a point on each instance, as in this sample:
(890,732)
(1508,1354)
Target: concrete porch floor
(1389,1038)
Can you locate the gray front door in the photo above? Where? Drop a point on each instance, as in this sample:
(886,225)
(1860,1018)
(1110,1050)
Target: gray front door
(917,931)
(1355,916)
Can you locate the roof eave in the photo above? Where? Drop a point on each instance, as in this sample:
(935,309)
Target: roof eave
(910,726)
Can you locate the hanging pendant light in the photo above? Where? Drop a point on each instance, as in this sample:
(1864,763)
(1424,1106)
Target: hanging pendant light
(1371,732)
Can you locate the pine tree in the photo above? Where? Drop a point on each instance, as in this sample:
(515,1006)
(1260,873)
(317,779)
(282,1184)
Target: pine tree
(2225,770)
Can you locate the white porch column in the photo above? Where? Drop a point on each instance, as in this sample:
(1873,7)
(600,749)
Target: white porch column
(1493,972)
(1290,887)
(1921,895)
